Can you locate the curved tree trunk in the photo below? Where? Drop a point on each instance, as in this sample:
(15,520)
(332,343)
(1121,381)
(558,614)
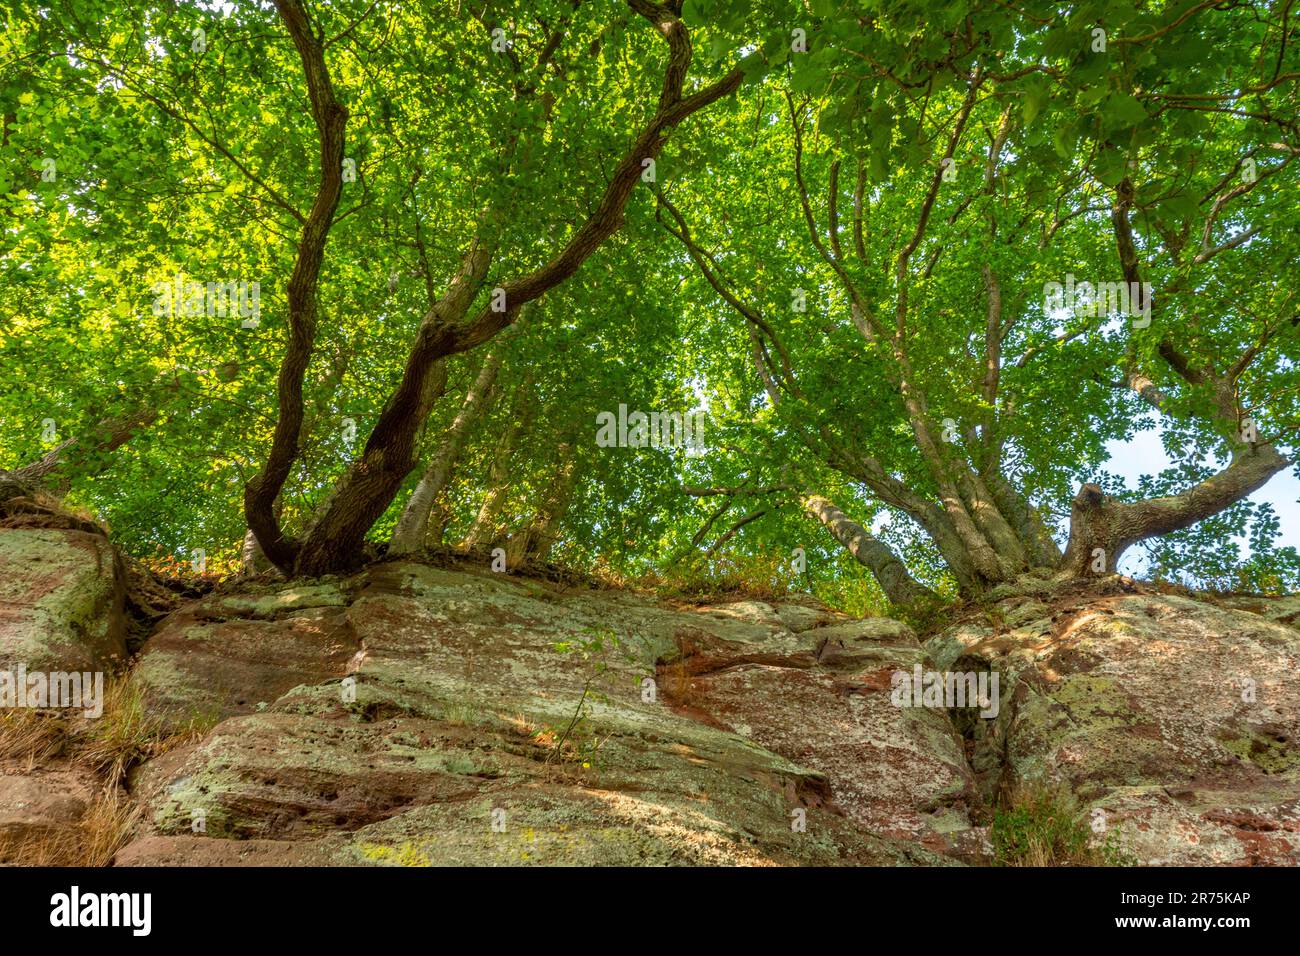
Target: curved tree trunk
(1101,528)
(899,586)
(331,118)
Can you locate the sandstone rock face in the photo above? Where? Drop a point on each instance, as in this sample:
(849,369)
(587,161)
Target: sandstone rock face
(61,601)
(62,594)
(41,800)
(822,696)
(1173,719)
(417,715)
(223,656)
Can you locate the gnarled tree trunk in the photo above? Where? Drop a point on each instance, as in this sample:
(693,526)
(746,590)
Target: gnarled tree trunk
(1102,528)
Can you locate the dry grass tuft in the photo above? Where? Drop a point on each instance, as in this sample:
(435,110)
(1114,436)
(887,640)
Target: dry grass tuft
(110,746)
(33,736)
(126,734)
(91,841)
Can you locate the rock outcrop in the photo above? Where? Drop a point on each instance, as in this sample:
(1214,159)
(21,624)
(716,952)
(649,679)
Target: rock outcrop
(1174,720)
(62,593)
(413,714)
(61,601)
(44,804)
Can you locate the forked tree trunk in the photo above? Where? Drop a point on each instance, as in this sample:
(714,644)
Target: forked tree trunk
(1101,528)
(369,486)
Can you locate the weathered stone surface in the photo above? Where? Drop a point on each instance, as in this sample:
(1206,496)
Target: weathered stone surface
(206,851)
(41,803)
(223,656)
(799,617)
(1176,717)
(461,698)
(823,697)
(1283,610)
(418,715)
(61,601)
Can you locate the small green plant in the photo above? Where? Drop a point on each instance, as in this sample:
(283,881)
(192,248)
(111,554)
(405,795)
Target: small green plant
(997,618)
(1043,825)
(583,742)
(462,715)
(927,615)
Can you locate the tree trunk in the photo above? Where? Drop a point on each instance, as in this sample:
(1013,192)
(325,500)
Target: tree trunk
(537,539)
(483,531)
(251,559)
(439,518)
(413,524)
(331,118)
(1041,548)
(993,525)
(48,473)
(899,586)
(1101,528)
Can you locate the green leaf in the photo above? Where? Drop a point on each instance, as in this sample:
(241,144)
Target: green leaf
(1123,110)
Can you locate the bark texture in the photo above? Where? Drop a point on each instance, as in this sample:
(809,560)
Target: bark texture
(412,526)
(331,120)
